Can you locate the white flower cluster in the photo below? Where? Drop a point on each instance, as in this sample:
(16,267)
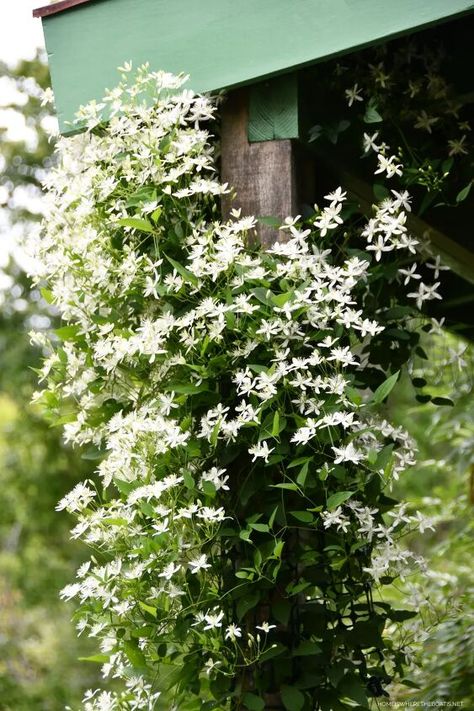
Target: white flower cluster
(161,299)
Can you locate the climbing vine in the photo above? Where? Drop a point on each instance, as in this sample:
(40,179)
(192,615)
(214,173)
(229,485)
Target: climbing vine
(240,524)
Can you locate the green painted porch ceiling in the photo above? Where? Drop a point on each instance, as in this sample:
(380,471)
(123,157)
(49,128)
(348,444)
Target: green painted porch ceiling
(220,43)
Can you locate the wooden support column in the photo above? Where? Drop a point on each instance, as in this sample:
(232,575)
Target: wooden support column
(263,175)
(268,178)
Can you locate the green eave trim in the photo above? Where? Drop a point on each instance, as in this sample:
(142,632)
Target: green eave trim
(273,109)
(220,43)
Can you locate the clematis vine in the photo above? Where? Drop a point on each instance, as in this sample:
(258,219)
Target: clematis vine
(233,398)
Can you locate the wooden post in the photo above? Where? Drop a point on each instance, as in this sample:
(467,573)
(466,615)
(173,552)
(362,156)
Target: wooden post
(268,178)
(262,174)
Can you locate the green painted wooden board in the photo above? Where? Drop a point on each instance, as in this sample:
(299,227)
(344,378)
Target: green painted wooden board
(220,43)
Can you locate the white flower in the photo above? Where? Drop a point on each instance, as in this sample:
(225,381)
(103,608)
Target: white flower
(425,122)
(410,273)
(265,627)
(369,142)
(167,403)
(335,518)
(425,293)
(380,246)
(77,499)
(232,632)
(199,564)
(213,620)
(161,527)
(423,522)
(353,94)
(170,570)
(388,165)
(338,195)
(437,266)
(214,475)
(457,146)
(261,450)
(47,97)
(347,454)
(210,665)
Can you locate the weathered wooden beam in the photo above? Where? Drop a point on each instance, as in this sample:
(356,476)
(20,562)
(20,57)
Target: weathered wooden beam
(270,178)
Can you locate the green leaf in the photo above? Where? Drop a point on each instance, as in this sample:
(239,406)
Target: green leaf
(306,649)
(134,654)
(336,499)
(208,487)
(67,333)
(271,520)
(274,651)
(383,390)
(281,299)
(148,608)
(314,133)
(303,516)
(265,296)
(98,658)
(185,273)
(442,401)
(47,295)
(462,195)
(353,687)
(290,487)
(137,223)
(294,589)
(125,487)
(215,433)
(297,462)
(401,615)
(185,388)
(189,482)
(92,453)
(156,214)
(281,611)
(276,424)
(278,549)
(261,527)
(371,114)
(333,130)
(380,192)
(292,698)
(383,457)
(302,474)
(253,702)
(246,603)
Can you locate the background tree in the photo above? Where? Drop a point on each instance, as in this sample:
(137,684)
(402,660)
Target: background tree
(38,644)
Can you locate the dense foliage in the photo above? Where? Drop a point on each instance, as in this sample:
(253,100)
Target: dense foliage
(242,526)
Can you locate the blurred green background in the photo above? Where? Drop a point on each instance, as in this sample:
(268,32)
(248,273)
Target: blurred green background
(39,670)
(38,645)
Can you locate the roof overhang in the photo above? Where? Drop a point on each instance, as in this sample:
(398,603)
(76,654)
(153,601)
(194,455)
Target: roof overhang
(220,43)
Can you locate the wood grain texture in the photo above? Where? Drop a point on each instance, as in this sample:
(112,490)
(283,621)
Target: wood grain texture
(262,174)
(220,43)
